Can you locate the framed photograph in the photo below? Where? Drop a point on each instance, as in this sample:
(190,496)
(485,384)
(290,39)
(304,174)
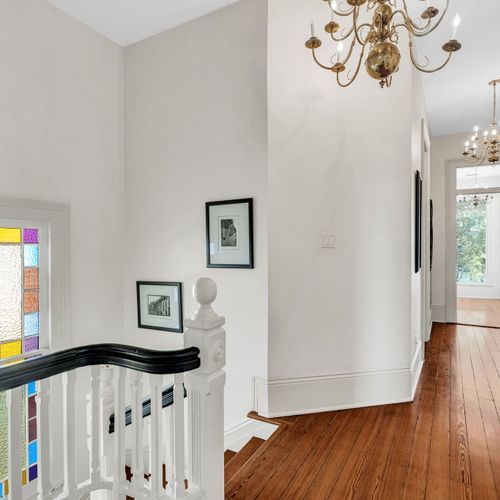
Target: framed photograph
(418,221)
(159,306)
(230,233)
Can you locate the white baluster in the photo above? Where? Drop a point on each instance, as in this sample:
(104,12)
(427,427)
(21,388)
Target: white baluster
(43,433)
(69,434)
(138,481)
(93,425)
(206,394)
(120,483)
(155,461)
(106,396)
(178,486)
(14,398)
(169,447)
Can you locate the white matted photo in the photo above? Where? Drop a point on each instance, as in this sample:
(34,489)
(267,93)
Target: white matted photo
(159,305)
(229,228)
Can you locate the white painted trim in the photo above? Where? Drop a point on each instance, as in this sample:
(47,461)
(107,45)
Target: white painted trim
(237,436)
(295,396)
(56,216)
(439,314)
(451,238)
(416,367)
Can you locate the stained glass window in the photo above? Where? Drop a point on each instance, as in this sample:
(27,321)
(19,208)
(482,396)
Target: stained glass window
(19,334)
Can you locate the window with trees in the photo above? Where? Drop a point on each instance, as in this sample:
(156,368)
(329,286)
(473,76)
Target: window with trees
(472,223)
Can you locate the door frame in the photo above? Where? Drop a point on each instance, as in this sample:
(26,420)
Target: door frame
(425,283)
(451,234)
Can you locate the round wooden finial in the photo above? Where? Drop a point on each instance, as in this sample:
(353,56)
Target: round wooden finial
(205,291)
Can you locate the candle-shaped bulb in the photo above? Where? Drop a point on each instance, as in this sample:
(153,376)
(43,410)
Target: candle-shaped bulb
(312,28)
(486,133)
(467,144)
(340,48)
(494,132)
(476,129)
(456,24)
(333,4)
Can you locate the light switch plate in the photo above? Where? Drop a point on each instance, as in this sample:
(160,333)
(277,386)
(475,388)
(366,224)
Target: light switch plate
(327,240)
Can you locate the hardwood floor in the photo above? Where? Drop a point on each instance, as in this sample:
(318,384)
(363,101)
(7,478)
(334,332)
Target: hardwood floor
(482,312)
(444,445)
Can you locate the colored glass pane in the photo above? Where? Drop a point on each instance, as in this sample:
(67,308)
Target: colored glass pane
(31,257)
(24,440)
(31,324)
(30,235)
(31,388)
(33,472)
(32,430)
(10,349)
(1,490)
(33,453)
(31,281)
(23,478)
(10,235)
(31,344)
(31,301)
(31,407)
(10,292)
(4,429)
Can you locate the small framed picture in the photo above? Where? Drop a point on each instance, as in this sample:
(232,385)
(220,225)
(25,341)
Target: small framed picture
(230,233)
(159,306)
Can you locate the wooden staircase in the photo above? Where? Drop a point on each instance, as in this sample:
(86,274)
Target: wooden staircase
(239,465)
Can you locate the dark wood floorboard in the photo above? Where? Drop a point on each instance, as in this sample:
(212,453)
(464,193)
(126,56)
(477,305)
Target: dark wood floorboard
(445,445)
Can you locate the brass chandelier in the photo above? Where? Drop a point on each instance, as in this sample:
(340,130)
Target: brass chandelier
(489,149)
(380,37)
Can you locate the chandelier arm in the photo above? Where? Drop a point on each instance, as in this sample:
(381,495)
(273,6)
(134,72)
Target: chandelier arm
(422,68)
(351,80)
(409,19)
(316,60)
(343,13)
(342,38)
(356,28)
(409,25)
(438,22)
(349,54)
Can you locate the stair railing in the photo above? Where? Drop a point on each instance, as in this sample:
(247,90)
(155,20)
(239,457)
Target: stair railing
(155,458)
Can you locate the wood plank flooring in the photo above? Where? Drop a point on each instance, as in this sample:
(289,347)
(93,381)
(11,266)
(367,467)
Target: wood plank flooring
(480,312)
(443,446)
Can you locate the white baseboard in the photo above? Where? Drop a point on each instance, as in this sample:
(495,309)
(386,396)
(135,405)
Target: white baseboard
(237,436)
(439,314)
(295,396)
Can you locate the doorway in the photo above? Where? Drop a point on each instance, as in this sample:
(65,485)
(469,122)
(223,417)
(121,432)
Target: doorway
(477,245)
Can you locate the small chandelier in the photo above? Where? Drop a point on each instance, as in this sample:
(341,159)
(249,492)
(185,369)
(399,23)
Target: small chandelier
(381,36)
(476,200)
(489,149)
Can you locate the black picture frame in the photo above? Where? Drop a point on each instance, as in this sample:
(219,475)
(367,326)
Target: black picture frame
(142,321)
(418,221)
(249,264)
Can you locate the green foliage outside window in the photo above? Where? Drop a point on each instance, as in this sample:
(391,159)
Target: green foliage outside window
(471,242)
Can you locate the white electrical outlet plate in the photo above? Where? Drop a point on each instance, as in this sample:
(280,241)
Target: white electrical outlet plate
(327,240)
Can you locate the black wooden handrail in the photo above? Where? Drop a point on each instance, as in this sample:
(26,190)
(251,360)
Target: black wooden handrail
(135,358)
(167,399)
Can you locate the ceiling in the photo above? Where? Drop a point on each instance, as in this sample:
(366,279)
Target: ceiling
(458,97)
(129,21)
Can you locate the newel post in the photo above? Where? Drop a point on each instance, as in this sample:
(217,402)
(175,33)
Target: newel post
(205,388)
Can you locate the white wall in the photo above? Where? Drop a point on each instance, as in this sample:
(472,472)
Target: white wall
(196,132)
(61,141)
(340,162)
